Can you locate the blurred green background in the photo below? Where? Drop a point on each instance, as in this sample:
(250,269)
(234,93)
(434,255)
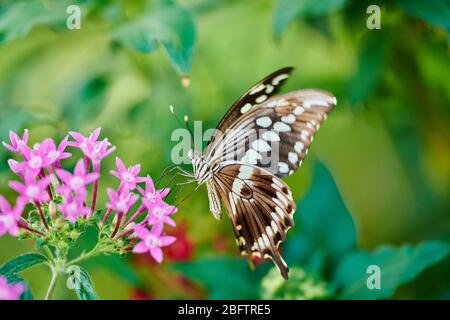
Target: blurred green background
(381,158)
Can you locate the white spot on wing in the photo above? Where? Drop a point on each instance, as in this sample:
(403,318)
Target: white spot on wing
(298,111)
(264,122)
(279,211)
(288,119)
(257,89)
(277,79)
(277,182)
(269,231)
(293,157)
(260,145)
(245,172)
(270,136)
(237,185)
(281,127)
(299,146)
(261,99)
(251,157)
(246,107)
(275,217)
(266,240)
(333,100)
(269,88)
(315,102)
(304,135)
(274,226)
(261,243)
(283,167)
(232,203)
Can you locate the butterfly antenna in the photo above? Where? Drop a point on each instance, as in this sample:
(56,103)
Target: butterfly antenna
(185,123)
(165,171)
(187,196)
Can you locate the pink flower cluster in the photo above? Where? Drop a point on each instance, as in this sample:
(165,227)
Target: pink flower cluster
(10,291)
(155,210)
(43,179)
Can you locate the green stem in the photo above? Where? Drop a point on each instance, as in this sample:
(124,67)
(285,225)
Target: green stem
(49,253)
(84,256)
(51,287)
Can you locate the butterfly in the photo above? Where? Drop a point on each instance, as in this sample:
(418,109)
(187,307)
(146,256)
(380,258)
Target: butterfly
(262,138)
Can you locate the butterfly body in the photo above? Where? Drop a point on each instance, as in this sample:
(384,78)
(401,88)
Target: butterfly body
(262,138)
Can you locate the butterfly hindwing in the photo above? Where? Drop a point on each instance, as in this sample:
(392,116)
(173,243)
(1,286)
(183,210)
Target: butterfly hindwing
(276,136)
(261,209)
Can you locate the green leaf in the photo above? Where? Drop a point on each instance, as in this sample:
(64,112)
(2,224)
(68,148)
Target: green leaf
(85,102)
(82,283)
(18,17)
(288,10)
(225,278)
(370,67)
(21,263)
(397,265)
(302,285)
(166,23)
(115,263)
(85,242)
(436,12)
(324,229)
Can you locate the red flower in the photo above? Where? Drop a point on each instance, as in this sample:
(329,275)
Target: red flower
(183,248)
(140,294)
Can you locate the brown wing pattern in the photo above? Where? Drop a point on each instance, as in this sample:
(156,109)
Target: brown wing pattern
(276,136)
(261,209)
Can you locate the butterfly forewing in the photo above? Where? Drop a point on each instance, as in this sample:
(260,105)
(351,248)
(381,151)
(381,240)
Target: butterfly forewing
(253,97)
(276,135)
(261,209)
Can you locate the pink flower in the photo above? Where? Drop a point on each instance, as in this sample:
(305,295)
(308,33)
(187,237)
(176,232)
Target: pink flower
(10,291)
(73,207)
(127,176)
(121,201)
(98,150)
(152,241)
(160,214)
(9,217)
(91,148)
(36,158)
(81,141)
(32,189)
(16,142)
(77,181)
(55,154)
(15,166)
(152,197)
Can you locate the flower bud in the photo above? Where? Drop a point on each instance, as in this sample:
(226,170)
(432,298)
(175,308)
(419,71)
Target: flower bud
(52,210)
(74,234)
(54,181)
(62,245)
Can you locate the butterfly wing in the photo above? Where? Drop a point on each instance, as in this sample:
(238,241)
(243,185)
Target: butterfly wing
(258,93)
(261,209)
(276,134)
